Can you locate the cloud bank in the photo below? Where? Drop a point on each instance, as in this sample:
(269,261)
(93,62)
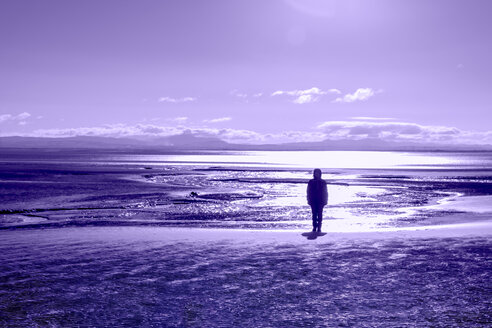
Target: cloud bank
(400,132)
(151,130)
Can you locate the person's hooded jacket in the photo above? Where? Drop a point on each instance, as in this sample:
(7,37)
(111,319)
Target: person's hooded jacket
(317,192)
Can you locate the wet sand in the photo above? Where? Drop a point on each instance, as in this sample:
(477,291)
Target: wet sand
(434,276)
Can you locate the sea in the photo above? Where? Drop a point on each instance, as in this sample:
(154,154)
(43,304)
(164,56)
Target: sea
(128,238)
(243,190)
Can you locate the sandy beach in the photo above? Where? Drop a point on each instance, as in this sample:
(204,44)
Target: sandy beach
(434,276)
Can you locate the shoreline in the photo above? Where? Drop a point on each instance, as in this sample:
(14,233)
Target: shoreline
(274,236)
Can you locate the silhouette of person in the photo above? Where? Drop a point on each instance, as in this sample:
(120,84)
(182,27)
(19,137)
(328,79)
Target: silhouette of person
(317,197)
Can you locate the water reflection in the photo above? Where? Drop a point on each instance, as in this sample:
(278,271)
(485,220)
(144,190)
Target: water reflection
(322,159)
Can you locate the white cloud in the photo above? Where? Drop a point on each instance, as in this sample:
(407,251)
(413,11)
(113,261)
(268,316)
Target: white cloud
(402,131)
(5,117)
(245,96)
(360,94)
(176,100)
(312,91)
(180,119)
(297,93)
(368,129)
(305,99)
(19,117)
(238,94)
(218,120)
(305,96)
(22,116)
(253,137)
(110,130)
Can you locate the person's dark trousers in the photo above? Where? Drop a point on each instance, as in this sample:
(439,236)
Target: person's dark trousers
(317,216)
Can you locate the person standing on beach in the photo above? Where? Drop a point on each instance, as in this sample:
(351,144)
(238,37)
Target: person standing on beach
(317,198)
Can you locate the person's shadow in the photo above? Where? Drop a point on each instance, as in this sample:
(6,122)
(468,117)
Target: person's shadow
(313,235)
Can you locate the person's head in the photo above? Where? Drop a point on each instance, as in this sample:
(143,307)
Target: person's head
(317,173)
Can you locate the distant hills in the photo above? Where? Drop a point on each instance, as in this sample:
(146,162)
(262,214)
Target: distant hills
(188,141)
(182,141)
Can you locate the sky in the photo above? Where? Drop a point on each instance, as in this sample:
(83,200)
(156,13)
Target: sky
(252,71)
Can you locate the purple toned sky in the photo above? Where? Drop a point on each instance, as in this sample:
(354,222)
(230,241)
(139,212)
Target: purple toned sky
(255,70)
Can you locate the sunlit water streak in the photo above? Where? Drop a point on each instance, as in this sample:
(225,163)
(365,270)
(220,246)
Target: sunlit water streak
(321,159)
